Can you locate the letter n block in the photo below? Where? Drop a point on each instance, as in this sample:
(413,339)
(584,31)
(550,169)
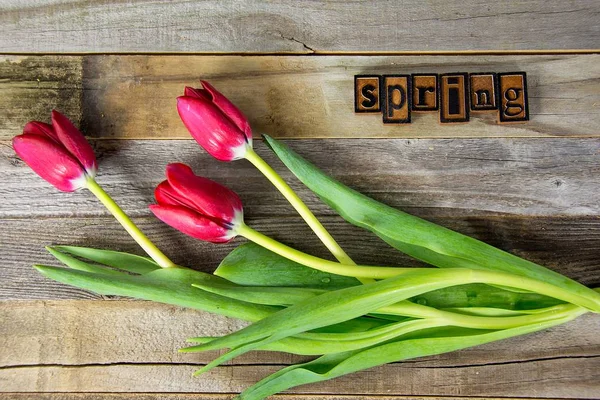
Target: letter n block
(366,94)
(483,88)
(454,98)
(396,99)
(514,104)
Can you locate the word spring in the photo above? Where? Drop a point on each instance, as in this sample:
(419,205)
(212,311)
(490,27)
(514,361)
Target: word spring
(453,95)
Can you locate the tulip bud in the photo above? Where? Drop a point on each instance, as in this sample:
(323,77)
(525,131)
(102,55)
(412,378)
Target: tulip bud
(197,206)
(58,153)
(215,122)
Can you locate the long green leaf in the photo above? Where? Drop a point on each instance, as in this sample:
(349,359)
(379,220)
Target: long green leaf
(430,342)
(414,236)
(251,265)
(165,285)
(125,261)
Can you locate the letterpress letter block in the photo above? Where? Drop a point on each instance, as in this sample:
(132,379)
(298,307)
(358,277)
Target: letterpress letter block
(483,88)
(425,97)
(366,94)
(454,101)
(514,105)
(396,99)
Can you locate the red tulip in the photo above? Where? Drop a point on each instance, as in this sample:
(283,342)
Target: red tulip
(215,123)
(58,153)
(197,206)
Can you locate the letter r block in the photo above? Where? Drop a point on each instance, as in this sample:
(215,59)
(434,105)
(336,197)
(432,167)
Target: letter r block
(366,94)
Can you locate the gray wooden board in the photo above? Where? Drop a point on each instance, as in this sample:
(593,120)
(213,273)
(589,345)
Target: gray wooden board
(106,346)
(298,27)
(569,246)
(526,177)
(285,96)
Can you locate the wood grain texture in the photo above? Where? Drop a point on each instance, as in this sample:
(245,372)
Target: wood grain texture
(569,246)
(114,346)
(527,177)
(288,96)
(298,27)
(216,396)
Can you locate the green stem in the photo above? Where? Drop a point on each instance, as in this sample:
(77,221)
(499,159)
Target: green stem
(302,209)
(464,276)
(406,308)
(320,264)
(129,226)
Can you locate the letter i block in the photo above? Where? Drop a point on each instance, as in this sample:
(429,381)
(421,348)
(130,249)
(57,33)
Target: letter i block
(454,99)
(514,104)
(366,94)
(396,99)
(483,88)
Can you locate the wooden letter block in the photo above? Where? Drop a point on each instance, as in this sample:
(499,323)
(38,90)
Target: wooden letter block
(483,89)
(454,101)
(396,99)
(514,105)
(425,97)
(366,94)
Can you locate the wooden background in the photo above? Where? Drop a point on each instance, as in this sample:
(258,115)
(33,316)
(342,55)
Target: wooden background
(532,189)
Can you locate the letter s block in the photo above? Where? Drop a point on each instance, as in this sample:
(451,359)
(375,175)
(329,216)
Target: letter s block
(514,104)
(366,94)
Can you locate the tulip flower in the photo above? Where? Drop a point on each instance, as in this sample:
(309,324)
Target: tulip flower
(58,153)
(224,132)
(209,211)
(197,206)
(215,123)
(61,155)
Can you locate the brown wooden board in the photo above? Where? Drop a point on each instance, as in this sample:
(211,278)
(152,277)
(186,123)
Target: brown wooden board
(284,96)
(106,346)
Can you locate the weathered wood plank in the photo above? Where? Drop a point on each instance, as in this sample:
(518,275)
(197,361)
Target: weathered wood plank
(289,96)
(32,86)
(429,177)
(569,246)
(289,26)
(115,346)
(216,396)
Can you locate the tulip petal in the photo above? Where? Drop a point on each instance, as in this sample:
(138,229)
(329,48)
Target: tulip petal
(74,141)
(229,109)
(50,161)
(199,93)
(207,197)
(165,195)
(40,128)
(192,223)
(212,129)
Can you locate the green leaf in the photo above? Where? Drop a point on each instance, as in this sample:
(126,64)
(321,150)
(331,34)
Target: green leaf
(414,236)
(253,265)
(333,307)
(74,263)
(273,296)
(125,261)
(424,343)
(165,285)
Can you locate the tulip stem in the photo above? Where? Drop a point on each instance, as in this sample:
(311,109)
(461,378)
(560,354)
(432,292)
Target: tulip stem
(366,273)
(301,208)
(141,239)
